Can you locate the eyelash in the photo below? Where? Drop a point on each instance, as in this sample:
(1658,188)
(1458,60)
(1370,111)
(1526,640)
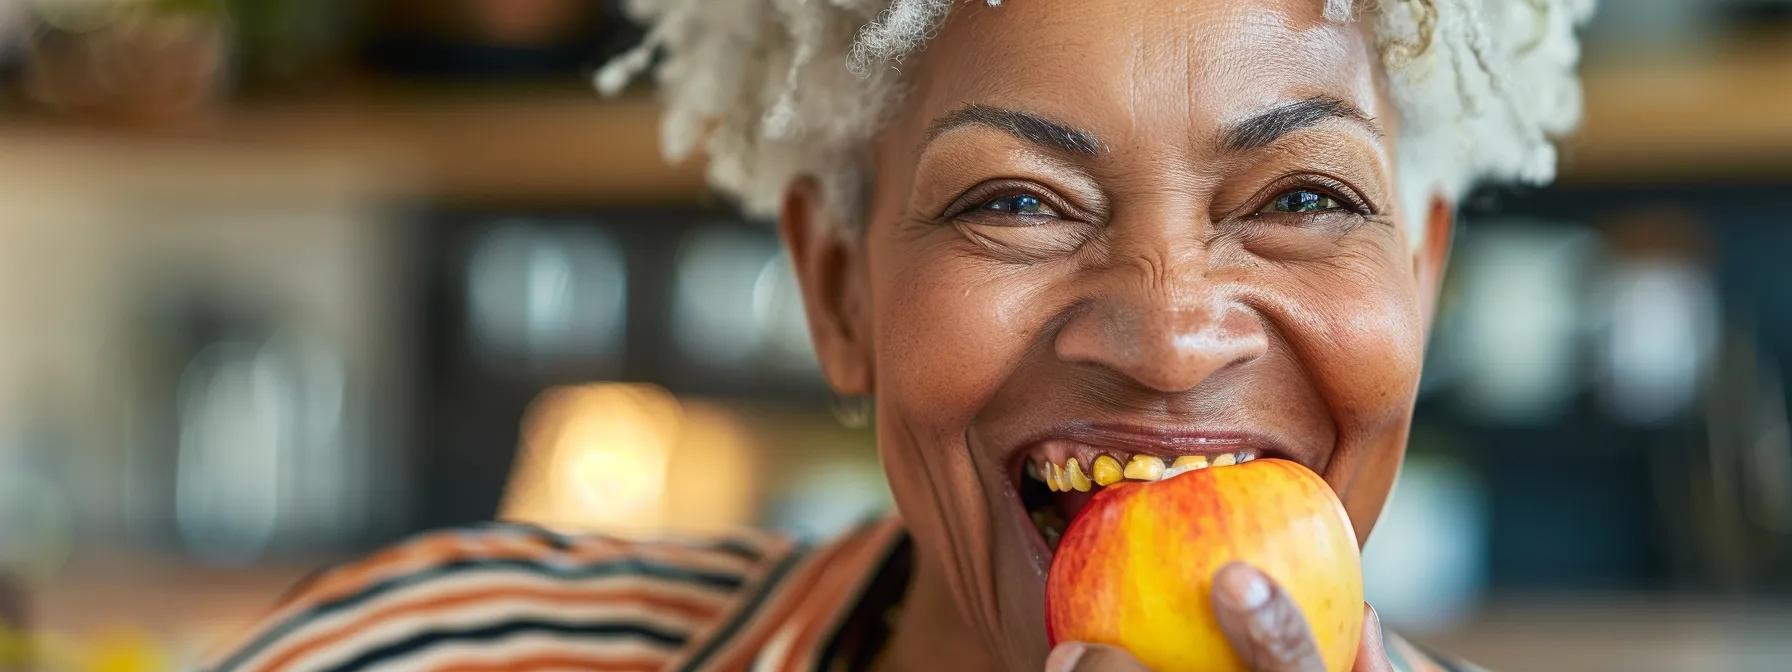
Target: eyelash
(974,202)
(1349,200)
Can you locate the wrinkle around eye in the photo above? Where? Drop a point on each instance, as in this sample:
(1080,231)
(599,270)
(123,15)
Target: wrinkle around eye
(1345,235)
(1024,245)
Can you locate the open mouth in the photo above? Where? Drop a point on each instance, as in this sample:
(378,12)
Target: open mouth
(1057,478)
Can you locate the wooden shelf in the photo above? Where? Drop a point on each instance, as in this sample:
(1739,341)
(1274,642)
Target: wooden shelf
(1686,117)
(530,148)
(1652,118)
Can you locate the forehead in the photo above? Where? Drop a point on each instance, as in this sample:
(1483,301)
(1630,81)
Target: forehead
(1138,68)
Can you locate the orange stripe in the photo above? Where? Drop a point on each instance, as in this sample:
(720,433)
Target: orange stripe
(832,603)
(559,662)
(738,653)
(417,554)
(443,548)
(773,552)
(779,606)
(682,607)
(782,609)
(440,549)
(337,582)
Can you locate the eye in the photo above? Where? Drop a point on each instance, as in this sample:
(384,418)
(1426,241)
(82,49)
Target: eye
(1303,201)
(1018,204)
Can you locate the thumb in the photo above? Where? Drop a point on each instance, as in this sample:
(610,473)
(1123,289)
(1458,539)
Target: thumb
(1372,652)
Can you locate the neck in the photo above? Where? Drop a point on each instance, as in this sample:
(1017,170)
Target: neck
(931,634)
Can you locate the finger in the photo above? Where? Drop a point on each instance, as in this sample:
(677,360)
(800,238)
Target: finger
(1080,657)
(1372,653)
(1265,627)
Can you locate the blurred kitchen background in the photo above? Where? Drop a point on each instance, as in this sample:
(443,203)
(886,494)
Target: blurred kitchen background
(285,280)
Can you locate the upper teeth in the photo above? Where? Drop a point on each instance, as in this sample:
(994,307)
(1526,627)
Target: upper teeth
(1107,469)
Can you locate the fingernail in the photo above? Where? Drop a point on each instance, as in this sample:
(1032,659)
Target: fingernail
(1244,588)
(1065,657)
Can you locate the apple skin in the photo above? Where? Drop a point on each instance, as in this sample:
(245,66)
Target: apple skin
(1135,568)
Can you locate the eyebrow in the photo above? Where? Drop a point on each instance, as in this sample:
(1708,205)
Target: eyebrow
(1265,128)
(1024,125)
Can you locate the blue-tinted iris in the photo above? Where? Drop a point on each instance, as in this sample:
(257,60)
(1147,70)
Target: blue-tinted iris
(1018,204)
(1303,200)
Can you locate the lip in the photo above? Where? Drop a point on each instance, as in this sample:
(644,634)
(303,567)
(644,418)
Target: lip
(1161,441)
(1168,442)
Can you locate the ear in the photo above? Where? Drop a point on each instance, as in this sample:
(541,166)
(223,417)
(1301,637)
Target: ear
(1432,255)
(830,267)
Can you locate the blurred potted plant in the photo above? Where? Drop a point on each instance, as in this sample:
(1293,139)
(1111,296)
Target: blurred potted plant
(153,62)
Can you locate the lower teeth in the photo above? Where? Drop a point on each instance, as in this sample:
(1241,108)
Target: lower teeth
(1051,525)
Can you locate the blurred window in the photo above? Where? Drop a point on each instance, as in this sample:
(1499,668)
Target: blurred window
(543,296)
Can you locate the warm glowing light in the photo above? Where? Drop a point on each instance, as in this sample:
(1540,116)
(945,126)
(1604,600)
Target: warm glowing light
(629,458)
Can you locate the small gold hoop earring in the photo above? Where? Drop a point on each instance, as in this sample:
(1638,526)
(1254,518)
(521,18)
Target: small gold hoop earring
(852,411)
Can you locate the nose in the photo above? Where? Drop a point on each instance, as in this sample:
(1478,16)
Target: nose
(1167,341)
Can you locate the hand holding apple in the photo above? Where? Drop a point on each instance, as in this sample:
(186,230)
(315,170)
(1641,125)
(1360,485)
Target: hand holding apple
(1253,566)
(1371,655)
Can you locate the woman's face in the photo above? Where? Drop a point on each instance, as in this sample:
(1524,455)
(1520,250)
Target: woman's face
(1121,227)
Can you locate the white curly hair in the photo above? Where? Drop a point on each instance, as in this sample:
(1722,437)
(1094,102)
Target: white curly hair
(777,89)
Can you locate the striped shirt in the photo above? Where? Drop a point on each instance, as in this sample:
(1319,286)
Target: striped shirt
(516,597)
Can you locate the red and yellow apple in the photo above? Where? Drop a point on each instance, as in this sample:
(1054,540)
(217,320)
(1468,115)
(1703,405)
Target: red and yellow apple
(1135,568)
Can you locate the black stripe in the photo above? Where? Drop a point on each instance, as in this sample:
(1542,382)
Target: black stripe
(858,638)
(487,633)
(748,610)
(560,541)
(636,567)
(736,548)
(554,540)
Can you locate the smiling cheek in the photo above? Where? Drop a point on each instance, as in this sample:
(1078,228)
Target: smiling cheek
(947,334)
(950,330)
(1367,347)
